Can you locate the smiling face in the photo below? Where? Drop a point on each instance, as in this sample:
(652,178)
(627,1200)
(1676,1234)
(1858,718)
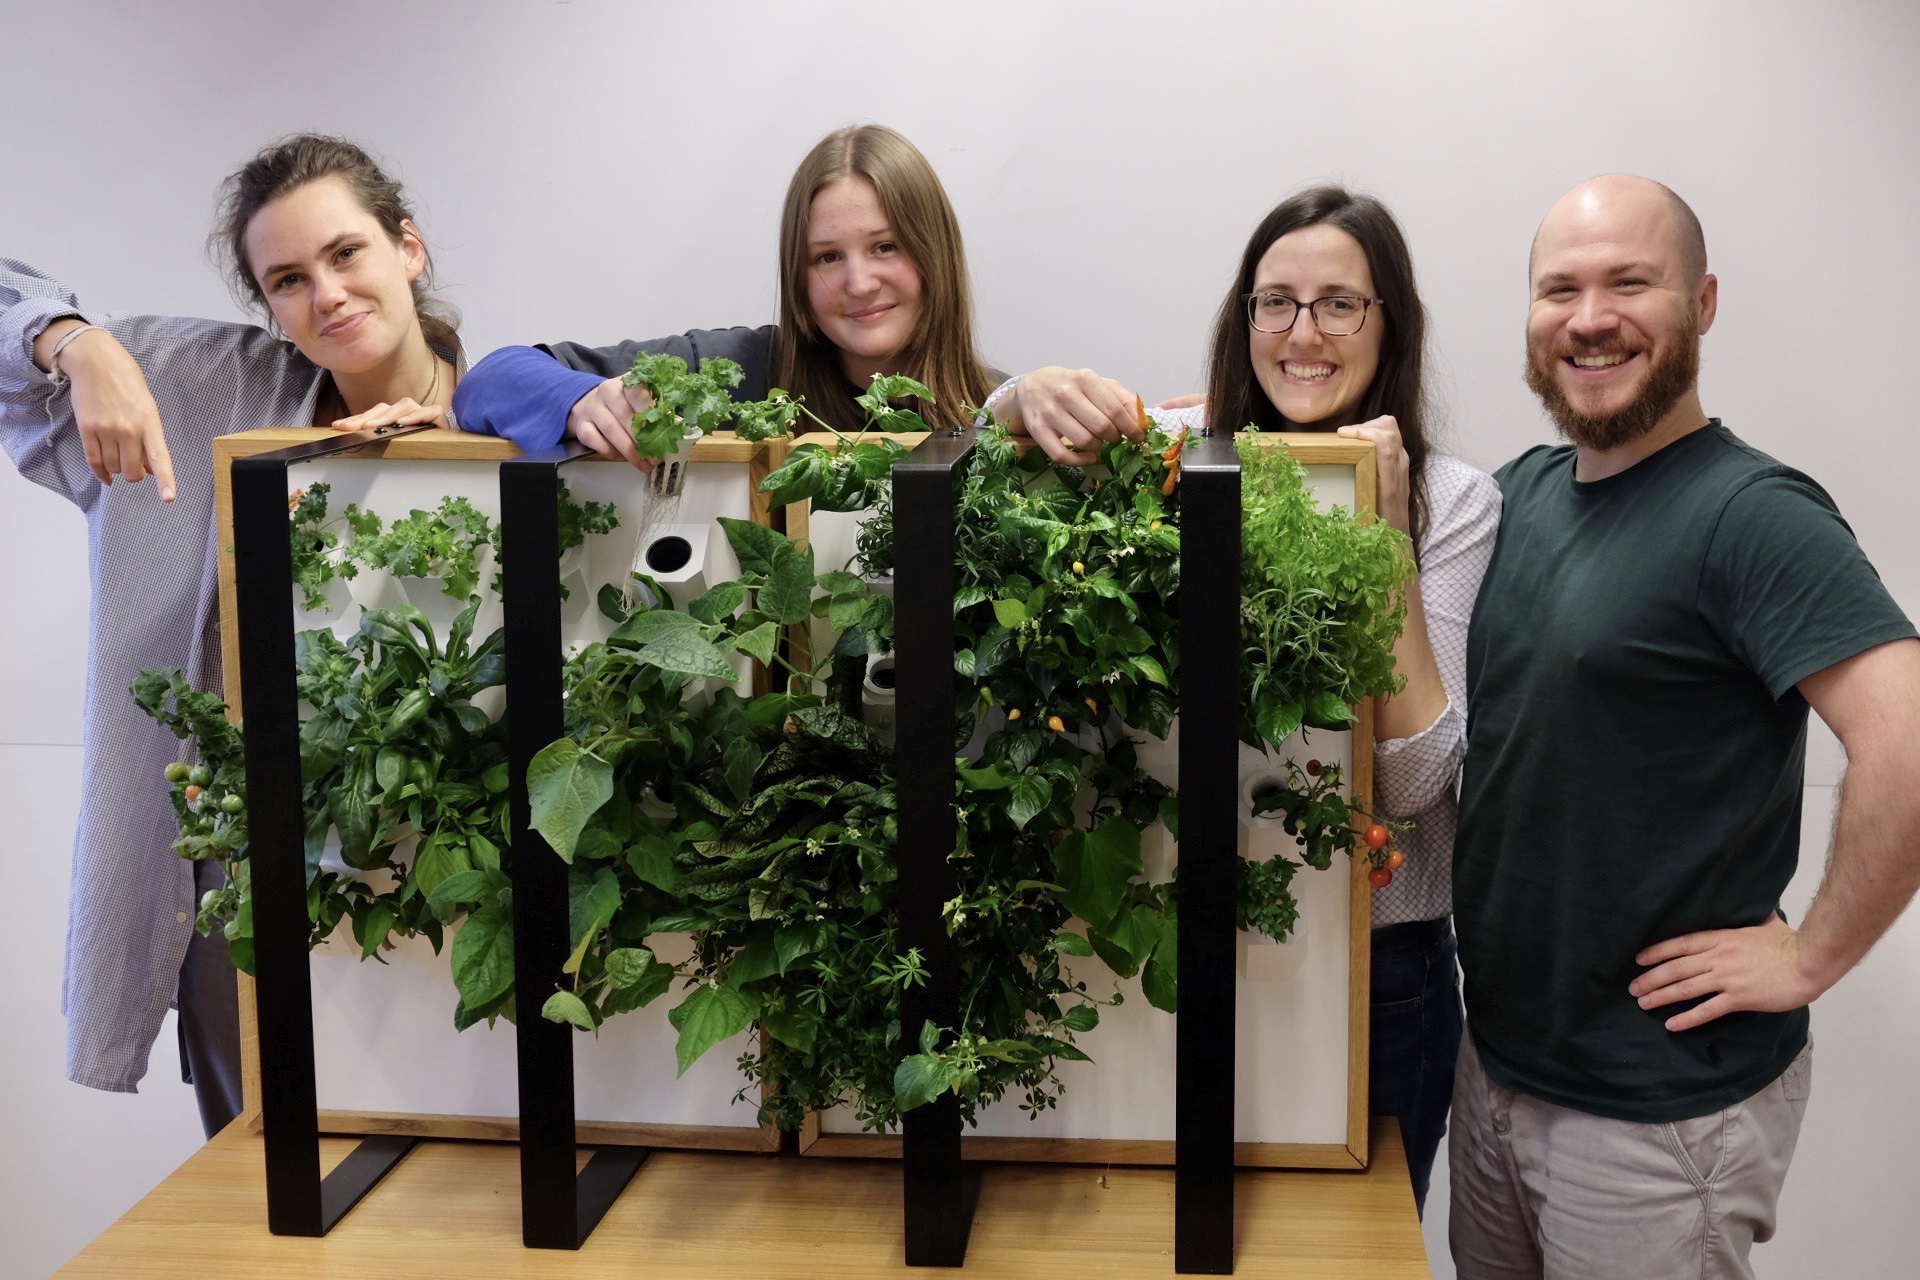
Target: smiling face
(1313,379)
(337,284)
(1618,307)
(863,289)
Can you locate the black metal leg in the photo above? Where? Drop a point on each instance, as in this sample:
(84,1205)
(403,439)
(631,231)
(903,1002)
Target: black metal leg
(299,1201)
(1209,839)
(557,1209)
(939,1192)
(263,572)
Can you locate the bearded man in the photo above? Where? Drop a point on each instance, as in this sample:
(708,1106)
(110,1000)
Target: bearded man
(1664,604)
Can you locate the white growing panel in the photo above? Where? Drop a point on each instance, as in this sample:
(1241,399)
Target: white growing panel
(383,1032)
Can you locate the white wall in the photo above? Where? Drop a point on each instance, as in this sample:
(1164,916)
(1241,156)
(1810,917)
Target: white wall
(598,170)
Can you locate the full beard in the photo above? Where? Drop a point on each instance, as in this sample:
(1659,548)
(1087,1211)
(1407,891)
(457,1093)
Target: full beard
(1671,377)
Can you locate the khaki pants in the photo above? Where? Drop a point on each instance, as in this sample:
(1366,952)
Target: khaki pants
(1547,1193)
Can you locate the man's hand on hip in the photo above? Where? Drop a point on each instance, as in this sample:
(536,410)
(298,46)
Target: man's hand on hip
(1755,968)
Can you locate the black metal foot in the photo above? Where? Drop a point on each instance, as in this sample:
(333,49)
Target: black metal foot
(353,1177)
(601,1182)
(938,1238)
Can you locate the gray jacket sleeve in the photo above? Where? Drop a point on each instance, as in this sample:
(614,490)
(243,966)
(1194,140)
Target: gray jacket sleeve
(751,349)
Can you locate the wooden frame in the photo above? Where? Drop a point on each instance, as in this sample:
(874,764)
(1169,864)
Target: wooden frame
(451,446)
(1311,449)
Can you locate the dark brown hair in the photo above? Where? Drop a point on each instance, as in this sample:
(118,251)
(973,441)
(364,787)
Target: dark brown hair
(1235,398)
(291,163)
(940,353)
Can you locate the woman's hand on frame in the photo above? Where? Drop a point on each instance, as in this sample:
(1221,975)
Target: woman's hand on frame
(602,420)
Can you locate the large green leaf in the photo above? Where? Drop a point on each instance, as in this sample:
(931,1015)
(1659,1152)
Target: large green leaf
(755,546)
(1276,720)
(688,654)
(794,1028)
(718,603)
(1030,795)
(758,643)
(564,1006)
(591,905)
(566,785)
(1094,868)
(788,595)
(637,980)
(483,957)
(651,858)
(1160,980)
(440,856)
(920,1078)
(803,475)
(1327,710)
(708,1016)
(654,624)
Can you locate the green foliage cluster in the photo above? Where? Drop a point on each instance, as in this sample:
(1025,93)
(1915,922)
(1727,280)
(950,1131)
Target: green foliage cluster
(443,543)
(395,752)
(1324,600)
(764,827)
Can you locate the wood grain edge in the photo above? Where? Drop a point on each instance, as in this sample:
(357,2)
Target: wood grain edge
(1360,899)
(1131,1151)
(679,1137)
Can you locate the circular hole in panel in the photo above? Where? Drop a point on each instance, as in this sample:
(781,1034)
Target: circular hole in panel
(669,553)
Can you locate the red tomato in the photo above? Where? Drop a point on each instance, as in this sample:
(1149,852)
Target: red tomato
(1376,836)
(1313,768)
(1396,860)
(1379,877)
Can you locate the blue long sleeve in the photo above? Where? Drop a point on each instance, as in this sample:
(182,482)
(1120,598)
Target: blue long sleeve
(522,395)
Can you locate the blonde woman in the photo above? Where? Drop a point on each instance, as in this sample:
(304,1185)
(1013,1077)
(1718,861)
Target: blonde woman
(873,280)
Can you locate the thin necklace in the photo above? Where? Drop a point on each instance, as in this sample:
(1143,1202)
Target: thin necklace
(341,399)
(436,379)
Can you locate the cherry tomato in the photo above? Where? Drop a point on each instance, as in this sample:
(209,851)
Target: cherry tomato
(1313,768)
(1396,860)
(199,775)
(177,772)
(1379,877)
(193,794)
(231,803)
(1376,836)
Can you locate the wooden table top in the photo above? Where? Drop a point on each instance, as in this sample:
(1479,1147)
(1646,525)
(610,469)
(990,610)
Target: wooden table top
(451,1209)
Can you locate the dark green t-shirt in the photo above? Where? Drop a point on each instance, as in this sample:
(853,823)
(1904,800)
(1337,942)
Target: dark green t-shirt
(1635,758)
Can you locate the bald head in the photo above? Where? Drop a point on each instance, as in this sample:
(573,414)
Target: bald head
(1614,206)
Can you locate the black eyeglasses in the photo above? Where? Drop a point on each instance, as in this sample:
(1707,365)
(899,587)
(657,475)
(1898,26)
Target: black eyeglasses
(1337,315)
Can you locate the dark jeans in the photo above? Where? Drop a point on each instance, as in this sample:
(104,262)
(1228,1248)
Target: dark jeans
(1415,1027)
(209,1023)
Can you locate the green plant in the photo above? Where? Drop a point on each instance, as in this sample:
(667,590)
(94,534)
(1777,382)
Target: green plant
(395,750)
(443,543)
(764,826)
(1324,600)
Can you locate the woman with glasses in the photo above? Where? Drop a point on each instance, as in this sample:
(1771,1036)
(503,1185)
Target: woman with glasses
(1323,330)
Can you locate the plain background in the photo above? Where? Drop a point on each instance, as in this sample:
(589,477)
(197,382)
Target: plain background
(597,170)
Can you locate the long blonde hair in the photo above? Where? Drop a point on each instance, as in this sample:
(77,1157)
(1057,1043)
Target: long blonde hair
(940,353)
